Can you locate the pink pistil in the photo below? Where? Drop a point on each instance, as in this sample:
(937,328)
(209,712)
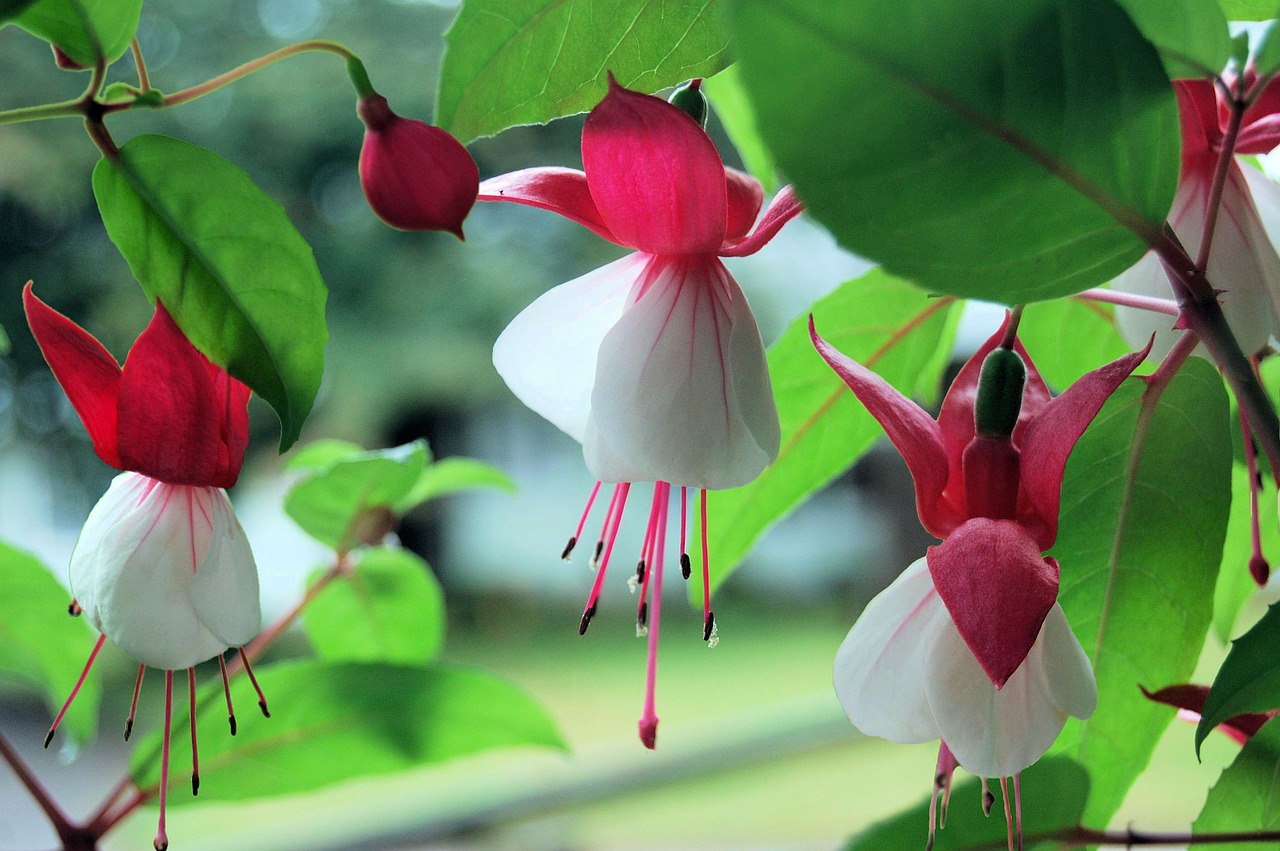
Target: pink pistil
(226,690)
(74,691)
(686,567)
(1017,807)
(195,752)
(133,707)
(162,839)
(649,718)
(262,700)
(1259,569)
(573,540)
(708,617)
(1008,819)
(609,534)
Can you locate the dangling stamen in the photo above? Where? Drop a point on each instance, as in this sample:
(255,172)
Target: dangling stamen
(1017,806)
(162,840)
(195,752)
(226,690)
(74,609)
(649,717)
(1259,568)
(573,540)
(1008,819)
(710,633)
(988,800)
(686,567)
(941,786)
(647,555)
(609,522)
(75,690)
(262,700)
(613,520)
(133,707)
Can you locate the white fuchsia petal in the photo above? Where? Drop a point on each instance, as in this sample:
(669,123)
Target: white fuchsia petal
(1266,200)
(136,562)
(879,670)
(547,355)
(999,733)
(682,392)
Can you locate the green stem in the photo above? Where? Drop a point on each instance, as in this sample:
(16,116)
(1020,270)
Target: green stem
(242,71)
(1011,330)
(144,79)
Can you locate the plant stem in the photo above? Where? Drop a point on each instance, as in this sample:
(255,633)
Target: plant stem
(1142,302)
(1225,158)
(144,79)
(31,783)
(1182,349)
(1077,837)
(241,71)
(1011,329)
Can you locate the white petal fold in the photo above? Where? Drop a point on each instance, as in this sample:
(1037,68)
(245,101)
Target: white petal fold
(905,674)
(682,391)
(166,573)
(547,355)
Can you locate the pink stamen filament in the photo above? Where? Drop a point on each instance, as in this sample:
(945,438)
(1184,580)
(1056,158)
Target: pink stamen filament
(612,521)
(685,567)
(609,521)
(646,558)
(708,618)
(577,535)
(226,690)
(133,707)
(162,839)
(1008,819)
(75,690)
(262,700)
(195,751)
(1017,806)
(649,717)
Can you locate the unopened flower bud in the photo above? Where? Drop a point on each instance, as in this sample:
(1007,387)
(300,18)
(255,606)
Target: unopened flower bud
(1000,386)
(415,176)
(690,99)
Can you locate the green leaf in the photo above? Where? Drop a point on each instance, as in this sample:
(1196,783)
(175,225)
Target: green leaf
(10,9)
(238,278)
(335,721)
(879,321)
(450,475)
(733,108)
(1247,794)
(1008,151)
(1145,502)
(1267,58)
(1250,10)
(1190,35)
(42,646)
(329,505)
(390,608)
(1235,583)
(321,454)
(84,30)
(510,62)
(1054,793)
(1067,338)
(1249,679)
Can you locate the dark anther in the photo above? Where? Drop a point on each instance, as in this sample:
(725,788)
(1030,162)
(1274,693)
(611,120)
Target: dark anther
(686,567)
(231,720)
(599,550)
(640,571)
(262,704)
(128,729)
(708,626)
(586,620)
(642,615)
(195,784)
(48,737)
(568,548)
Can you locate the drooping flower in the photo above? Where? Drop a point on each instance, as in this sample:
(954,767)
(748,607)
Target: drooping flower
(1189,699)
(653,362)
(1242,263)
(969,644)
(415,176)
(162,567)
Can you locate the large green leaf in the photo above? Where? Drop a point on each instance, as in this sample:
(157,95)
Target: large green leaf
(40,644)
(1247,794)
(879,321)
(1235,583)
(1250,10)
(1249,679)
(335,721)
(227,263)
(511,62)
(1191,35)
(1010,151)
(1067,338)
(450,475)
(83,29)
(390,608)
(733,108)
(1145,502)
(1054,793)
(10,9)
(329,504)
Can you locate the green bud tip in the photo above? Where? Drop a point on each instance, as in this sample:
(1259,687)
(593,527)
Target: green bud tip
(1000,386)
(690,100)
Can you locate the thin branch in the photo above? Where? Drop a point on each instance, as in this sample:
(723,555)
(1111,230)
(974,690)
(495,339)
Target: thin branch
(241,71)
(36,789)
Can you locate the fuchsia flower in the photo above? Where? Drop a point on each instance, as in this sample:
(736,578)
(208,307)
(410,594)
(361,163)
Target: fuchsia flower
(1189,699)
(653,362)
(415,176)
(162,567)
(969,644)
(1243,262)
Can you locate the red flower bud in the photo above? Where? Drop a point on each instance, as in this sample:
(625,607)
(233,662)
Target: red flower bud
(65,62)
(415,176)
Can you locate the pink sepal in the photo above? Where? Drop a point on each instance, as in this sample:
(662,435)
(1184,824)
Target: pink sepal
(655,175)
(784,207)
(1053,433)
(89,375)
(745,195)
(914,433)
(1190,699)
(560,190)
(997,588)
